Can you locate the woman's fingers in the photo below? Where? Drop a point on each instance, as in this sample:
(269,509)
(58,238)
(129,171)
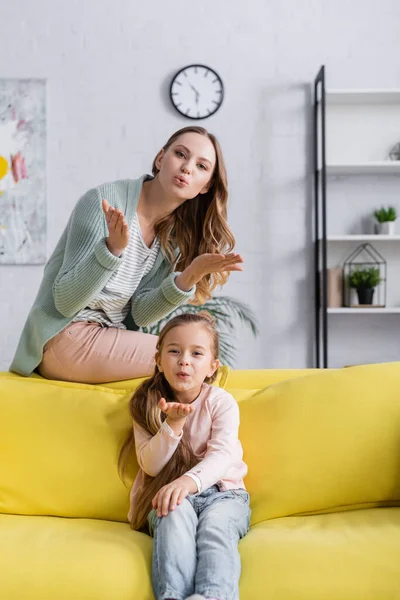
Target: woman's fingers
(105,205)
(114,217)
(124,227)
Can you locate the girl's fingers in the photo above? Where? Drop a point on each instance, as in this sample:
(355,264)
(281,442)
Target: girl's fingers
(154,502)
(163,405)
(174,498)
(182,496)
(164,501)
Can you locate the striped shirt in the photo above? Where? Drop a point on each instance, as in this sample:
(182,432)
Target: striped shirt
(112,304)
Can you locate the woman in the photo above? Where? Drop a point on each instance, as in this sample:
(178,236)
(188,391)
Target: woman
(132,251)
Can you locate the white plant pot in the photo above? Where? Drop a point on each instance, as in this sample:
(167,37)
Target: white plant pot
(386,228)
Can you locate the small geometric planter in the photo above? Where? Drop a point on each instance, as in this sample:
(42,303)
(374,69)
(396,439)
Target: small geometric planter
(372,259)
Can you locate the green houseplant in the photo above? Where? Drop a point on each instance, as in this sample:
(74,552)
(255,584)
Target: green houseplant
(386,218)
(227,312)
(365,280)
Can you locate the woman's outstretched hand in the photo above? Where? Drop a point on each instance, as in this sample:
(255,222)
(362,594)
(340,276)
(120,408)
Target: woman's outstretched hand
(118,229)
(205,264)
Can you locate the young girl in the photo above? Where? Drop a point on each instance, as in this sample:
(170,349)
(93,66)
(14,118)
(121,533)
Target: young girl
(189,489)
(132,251)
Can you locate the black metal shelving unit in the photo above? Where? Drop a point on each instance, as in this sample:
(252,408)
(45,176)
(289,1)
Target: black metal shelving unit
(320,241)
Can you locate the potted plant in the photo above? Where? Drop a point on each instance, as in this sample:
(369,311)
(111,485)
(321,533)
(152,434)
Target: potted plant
(386,218)
(226,312)
(365,280)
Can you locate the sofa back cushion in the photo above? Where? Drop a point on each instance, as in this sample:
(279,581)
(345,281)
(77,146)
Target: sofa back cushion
(59,445)
(324,443)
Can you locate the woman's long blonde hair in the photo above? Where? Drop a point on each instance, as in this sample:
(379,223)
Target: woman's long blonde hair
(199,225)
(145,412)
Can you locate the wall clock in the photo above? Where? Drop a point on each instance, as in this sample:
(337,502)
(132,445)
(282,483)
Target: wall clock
(197,91)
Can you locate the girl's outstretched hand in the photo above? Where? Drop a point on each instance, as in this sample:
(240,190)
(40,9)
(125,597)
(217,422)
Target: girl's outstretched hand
(118,229)
(175,411)
(173,494)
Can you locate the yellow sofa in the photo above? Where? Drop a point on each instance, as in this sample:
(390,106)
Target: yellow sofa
(323,450)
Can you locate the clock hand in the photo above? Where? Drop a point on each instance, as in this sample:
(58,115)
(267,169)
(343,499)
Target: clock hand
(196,92)
(197,95)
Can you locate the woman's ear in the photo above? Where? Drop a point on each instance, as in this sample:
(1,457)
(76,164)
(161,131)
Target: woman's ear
(214,366)
(205,189)
(159,158)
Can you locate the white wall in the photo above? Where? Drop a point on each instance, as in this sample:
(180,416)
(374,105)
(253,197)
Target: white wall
(108,64)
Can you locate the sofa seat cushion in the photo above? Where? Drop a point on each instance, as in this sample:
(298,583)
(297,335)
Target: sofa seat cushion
(347,555)
(50,558)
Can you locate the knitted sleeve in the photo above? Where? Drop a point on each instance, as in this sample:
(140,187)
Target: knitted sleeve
(87,263)
(149,305)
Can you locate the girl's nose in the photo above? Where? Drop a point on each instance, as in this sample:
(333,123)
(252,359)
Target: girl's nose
(183,360)
(186,168)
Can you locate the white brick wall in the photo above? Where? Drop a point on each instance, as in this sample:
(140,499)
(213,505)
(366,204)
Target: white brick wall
(108,64)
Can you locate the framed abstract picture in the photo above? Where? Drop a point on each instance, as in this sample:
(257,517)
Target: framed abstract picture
(22,171)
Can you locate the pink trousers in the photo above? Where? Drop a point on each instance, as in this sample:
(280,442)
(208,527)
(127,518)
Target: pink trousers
(86,352)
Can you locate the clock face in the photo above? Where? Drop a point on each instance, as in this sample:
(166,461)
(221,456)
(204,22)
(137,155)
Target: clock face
(197,91)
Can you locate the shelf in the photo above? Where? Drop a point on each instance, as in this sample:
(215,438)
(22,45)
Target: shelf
(376,311)
(347,96)
(370,168)
(362,238)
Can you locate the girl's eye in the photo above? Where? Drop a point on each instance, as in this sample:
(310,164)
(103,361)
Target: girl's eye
(173,351)
(198,353)
(180,154)
(202,167)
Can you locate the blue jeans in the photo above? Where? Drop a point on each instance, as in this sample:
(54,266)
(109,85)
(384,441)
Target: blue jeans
(195,547)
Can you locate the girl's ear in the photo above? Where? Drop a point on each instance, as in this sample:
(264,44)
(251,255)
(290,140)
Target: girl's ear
(214,366)
(159,158)
(157,359)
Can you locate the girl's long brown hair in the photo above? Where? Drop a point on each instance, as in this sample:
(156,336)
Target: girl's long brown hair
(199,225)
(144,410)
